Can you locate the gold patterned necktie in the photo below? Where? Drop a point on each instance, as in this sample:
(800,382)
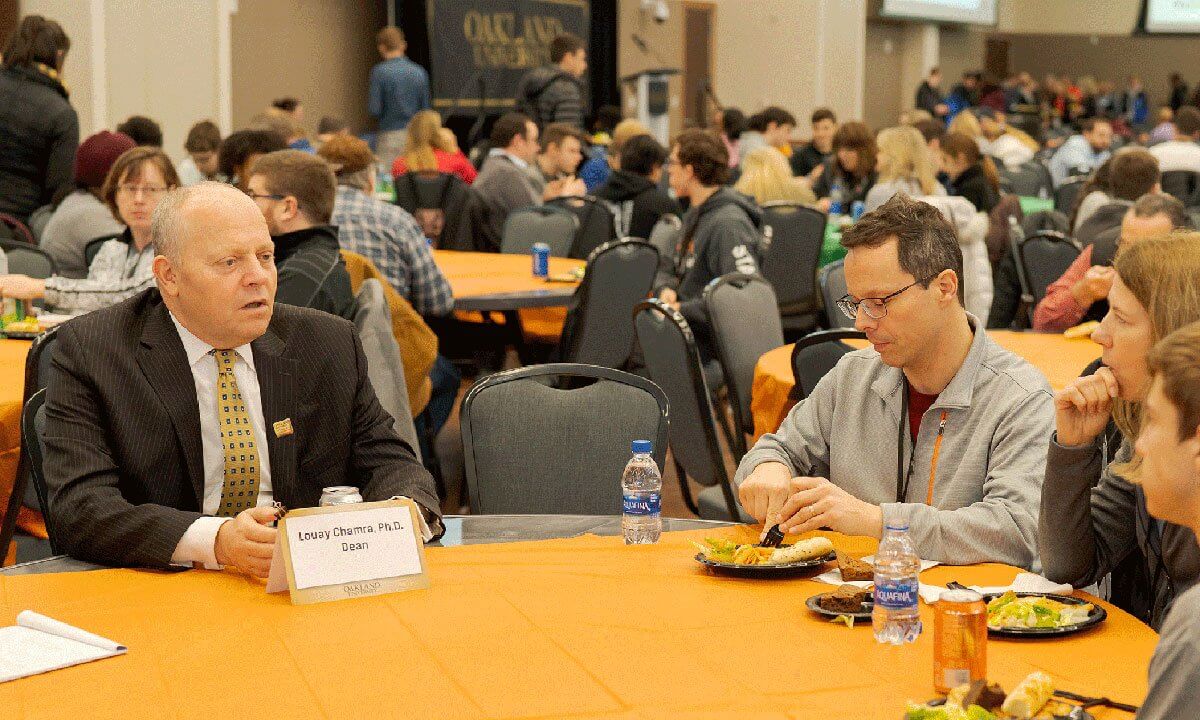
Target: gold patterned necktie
(240,490)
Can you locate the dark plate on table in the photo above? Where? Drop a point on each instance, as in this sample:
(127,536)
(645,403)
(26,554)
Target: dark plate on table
(1060,708)
(1095,617)
(804,567)
(813,604)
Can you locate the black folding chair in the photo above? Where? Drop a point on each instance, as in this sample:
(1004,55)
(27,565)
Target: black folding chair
(743,313)
(1044,256)
(532,446)
(815,354)
(1067,194)
(598,329)
(93,247)
(671,357)
(833,288)
(1180,184)
(597,226)
(26,259)
(539,224)
(33,424)
(790,263)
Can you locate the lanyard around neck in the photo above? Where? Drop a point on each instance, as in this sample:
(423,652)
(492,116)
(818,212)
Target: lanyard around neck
(903,475)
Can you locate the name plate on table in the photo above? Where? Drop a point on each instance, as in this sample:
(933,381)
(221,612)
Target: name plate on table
(347,551)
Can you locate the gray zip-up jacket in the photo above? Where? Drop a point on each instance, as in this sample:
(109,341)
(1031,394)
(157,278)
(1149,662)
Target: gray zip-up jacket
(991,464)
(1088,527)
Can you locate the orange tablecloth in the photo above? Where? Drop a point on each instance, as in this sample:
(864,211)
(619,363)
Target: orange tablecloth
(580,628)
(471,274)
(12,389)
(1059,359)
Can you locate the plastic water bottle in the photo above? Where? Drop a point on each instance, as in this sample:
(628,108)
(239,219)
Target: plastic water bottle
(641,488)
(895,617)
(837,198)
(385,187)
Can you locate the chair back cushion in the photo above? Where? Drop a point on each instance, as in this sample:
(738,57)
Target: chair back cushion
(744,315)
(1045,258)
(546,224)
(524,439)
(791,260)
(599,327)
(597,225)
(671,358)
(833,288)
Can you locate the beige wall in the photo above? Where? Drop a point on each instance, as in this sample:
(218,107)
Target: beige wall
(76,18)
(146,57)
(320,51)
(796,54)
(664,42)
(162,62)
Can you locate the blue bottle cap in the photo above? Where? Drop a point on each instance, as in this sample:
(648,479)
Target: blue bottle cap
(642,446)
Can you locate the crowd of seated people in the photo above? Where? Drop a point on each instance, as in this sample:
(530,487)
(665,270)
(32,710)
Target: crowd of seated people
(235,273)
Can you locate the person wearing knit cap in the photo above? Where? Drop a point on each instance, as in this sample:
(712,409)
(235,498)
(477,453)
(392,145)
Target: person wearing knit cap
(82,216)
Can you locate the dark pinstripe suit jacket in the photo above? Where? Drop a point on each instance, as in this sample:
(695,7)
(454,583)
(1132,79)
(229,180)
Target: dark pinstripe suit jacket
(122,440)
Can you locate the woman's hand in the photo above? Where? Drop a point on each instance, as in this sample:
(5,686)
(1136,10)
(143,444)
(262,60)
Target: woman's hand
(1083,408)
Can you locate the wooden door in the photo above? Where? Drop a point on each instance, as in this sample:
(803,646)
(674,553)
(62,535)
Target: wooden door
(699,19)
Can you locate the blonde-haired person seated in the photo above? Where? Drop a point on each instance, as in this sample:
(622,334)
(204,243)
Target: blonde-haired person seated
(966,123)
(767,177)
(904,166)
(431,147)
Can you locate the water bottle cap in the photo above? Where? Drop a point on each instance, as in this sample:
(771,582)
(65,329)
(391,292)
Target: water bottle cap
(642,446)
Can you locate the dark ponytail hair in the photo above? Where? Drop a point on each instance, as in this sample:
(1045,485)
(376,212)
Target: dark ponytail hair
(36,40)
(956,144)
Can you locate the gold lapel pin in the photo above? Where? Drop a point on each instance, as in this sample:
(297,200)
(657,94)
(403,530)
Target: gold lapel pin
(283,427)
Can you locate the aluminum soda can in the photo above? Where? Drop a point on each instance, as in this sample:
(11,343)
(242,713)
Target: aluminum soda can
(541,260)
(340,495)
(959,640)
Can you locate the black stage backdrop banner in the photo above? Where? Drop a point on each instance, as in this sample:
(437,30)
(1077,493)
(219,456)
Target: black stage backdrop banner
(479,49)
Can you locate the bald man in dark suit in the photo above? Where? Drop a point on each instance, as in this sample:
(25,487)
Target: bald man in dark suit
(177,418)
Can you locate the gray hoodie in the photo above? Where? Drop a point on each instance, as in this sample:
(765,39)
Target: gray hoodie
(990,467)
(720,236)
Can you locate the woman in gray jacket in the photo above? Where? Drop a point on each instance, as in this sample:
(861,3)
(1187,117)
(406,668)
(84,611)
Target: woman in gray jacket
(1092,517)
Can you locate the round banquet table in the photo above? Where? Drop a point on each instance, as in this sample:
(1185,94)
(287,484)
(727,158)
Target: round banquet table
(499,282)
(1060,360)
(574,627)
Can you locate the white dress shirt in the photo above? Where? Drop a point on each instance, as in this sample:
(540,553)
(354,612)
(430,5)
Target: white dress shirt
(198,544)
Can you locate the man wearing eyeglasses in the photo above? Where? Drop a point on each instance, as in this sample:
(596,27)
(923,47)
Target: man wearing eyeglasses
(295,191)
(935,425)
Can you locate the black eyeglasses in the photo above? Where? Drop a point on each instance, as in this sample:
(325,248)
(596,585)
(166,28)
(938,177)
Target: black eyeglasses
(875,308)
(254,196)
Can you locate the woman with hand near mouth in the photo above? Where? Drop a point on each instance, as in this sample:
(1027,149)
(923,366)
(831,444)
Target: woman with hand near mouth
(1092,517)
(122,267)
